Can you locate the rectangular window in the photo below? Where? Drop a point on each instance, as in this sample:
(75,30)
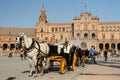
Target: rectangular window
(52,29)
(56,29)
(114,28)
(41,30)
(59,29)
(93,26)
(112,36)
(61,37)
(102,28)
(103,35)
(63,29)
(67,29)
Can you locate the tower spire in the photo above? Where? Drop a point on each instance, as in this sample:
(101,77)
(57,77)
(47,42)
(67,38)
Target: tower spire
(43,17)
(43,8)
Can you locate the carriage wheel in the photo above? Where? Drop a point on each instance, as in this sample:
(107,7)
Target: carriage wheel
(74,61)
(63,66)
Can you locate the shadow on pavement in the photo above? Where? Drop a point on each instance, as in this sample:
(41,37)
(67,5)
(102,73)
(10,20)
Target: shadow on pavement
(100,74)
(27,71)
(109,64)
(10,78)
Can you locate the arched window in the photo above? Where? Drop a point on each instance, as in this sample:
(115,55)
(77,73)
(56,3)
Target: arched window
(5,46)
(85,35)
(113,45)
(12,46)
(93,35)
(106,46)
(78,34)
(118,46)
(101,46)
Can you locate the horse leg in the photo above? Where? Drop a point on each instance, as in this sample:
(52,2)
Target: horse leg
(42,71)
(35,65)
(45,63)
(43,66)
(30,65)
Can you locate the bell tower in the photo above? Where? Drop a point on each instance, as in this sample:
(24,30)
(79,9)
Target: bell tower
(41,25)
(43,17)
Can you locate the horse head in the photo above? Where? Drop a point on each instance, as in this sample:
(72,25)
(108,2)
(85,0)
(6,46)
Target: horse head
(19,40)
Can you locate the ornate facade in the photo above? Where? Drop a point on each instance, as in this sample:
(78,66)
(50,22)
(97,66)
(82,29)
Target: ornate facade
(85,31)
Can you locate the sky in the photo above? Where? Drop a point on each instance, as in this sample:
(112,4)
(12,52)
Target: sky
(25,13)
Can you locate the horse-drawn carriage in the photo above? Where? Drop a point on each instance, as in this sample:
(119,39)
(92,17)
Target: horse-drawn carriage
(57,55)
(44,55)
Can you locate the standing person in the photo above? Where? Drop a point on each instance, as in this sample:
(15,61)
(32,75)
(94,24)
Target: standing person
(95,54)
(81,56)
(21,53)
(106,55)
(66,51)
(91,53)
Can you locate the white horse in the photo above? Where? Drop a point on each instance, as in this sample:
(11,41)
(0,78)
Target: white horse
(33,50)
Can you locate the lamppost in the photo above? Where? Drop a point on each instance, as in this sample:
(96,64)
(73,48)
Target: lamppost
(112,45)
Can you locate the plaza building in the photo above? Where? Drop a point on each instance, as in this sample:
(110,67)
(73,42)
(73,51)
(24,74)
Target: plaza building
(85,31)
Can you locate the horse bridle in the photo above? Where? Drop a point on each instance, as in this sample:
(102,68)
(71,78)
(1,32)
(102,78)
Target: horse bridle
(19,43)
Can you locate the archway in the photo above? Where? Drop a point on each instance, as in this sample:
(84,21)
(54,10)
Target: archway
(86,35)
(12,46)
(83,45)
(113,46)
(5,46)
(118,46)
(101,46)
(106,46)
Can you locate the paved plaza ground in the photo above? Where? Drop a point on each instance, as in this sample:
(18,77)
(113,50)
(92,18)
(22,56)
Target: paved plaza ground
(16,69)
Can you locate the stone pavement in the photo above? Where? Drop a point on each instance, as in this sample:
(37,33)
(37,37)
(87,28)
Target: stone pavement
(109,70)
(16,69)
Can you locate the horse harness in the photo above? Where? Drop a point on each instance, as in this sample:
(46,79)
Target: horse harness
(34,47)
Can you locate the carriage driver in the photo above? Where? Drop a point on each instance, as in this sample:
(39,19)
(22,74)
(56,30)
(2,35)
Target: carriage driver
(66,50)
